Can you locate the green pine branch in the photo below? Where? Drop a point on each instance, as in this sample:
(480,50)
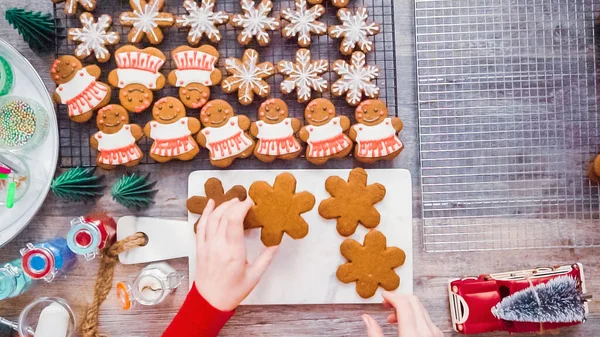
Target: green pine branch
(134,191)
(77,184)
(37,29)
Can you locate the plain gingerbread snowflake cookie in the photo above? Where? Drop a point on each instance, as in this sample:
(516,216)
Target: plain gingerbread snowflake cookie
(355,79)
(303,22)
(146,20)
(93,37)
(303,76)
(202,20)
(254,22)
(247,77)
(354,31)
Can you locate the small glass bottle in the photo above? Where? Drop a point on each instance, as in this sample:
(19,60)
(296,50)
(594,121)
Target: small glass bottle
(45,260)
(13,280)
(91,233)
(154,283)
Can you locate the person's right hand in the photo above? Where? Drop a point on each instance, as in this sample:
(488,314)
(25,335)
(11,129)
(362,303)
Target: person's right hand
(412,319)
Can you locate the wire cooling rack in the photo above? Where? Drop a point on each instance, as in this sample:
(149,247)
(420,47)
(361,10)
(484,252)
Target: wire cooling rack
(74,137)
(508,115)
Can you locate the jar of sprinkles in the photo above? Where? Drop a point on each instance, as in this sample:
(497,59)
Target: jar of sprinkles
(23,123)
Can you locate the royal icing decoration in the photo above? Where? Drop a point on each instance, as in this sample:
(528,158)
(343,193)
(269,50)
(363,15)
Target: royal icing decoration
(202,20)
(255,22)
(171,140)
(303,22)
(276,139)
(194,66)
(355,79)
(117,148)
(376,140)
(71,5)
(354,30)
(82,93)
(94,36)
(303,75)
(327,140)
(147,19)
(247,76)
(138,67)
(226,141)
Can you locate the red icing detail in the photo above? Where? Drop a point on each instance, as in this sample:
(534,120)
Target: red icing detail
(227,145)
(173,147)
(99,136)
(121,156)
(334,122)
(332,145)
(206,132)
(281,146)
(83,101)
(126,127)
(232,123)
(287,122)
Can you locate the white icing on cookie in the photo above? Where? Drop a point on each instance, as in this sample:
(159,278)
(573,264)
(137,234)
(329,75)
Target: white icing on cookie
(276,139)
(376,140)
(355,30)
(226,141)
(247,76)
(355,79)
(171,140)
(303,75)
(202,20)
(94,36)
(146,17)
(255,21)
(117,148)
(71,5)
(193,66)
(303,22)
(82,93)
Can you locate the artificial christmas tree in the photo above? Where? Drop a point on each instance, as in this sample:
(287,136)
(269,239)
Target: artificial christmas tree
(77,184)
(37,29)
(133,191)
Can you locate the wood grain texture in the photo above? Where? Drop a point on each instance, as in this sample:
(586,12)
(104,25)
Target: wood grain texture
(431,270)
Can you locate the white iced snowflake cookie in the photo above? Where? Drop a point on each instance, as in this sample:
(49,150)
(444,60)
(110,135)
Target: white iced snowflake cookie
(202,20)
(247,77)
(255,22)
(354,31)
(303,22)
(303,76)
(146,19)
(93,37)
(355,79)
(336,3)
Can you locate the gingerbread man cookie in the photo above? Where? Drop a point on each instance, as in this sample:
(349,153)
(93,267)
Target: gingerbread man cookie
(278,209)
(93,37)
(375,133)
(172,131)
(196,72)
(254,22)
(224,134)
(325,132)
(202,20)
(137,75)
(116,141)
(248,77)
(78,88)
(352,202)
(275,132)
(370,265)
(146,20)
(355,79)
(303,22)
(354,30)
(71,5)
(303,76)
(594,171)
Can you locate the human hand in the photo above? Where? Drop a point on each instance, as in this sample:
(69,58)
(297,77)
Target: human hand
(223,275)
(412,319)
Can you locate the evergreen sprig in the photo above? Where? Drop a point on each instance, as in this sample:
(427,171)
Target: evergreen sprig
(37,29)
(77,184)
(134,191)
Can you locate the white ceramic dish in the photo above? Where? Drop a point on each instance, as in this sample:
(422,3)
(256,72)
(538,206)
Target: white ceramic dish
(41,161)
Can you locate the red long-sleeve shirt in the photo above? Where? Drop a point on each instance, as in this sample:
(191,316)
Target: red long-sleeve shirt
(197,318)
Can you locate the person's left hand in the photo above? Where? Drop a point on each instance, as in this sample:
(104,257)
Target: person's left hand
(223,275)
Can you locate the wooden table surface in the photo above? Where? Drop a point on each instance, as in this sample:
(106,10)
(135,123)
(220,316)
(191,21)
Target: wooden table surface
(431,273)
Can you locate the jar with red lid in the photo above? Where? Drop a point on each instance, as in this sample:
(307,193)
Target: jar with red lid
(91,233)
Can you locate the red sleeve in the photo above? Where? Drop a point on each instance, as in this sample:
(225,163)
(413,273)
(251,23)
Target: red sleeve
(197,318)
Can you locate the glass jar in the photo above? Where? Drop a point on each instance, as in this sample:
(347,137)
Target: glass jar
(154,283)
(23,123)
(45,260)
(13,280)
(91,233)
(47,314)
(13,171)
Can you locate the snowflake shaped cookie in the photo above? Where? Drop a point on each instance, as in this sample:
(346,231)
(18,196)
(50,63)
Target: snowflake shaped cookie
(355,79)
(354,30)
(336,3)
(247,77)
(146,19)
(202,20)
(303,22)
(71,5)
(94,36)
(255,22)
(303,76)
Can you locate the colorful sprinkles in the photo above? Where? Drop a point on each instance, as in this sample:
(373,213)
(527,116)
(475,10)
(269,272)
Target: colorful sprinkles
(17,123)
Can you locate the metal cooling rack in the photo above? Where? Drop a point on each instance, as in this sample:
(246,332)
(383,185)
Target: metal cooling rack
(508,115)
(74,137)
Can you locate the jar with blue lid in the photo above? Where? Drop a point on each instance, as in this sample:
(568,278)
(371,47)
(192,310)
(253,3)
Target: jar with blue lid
(46,260)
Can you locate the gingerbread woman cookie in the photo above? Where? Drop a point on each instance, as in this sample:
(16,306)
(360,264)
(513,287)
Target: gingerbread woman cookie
(375,134)
(196,72)
(355,79)
(354,30)
(146,20)
(248,77)
(137,75)
(93,37)
(278,209)
(71,5)
(275,132)
(213,188)
(254,22)
(303,22)
(116,140)
(324,133)
(352,202)
(370,265)
(224,134)
(202,20)
(303,76)
(172,131)
(78,88)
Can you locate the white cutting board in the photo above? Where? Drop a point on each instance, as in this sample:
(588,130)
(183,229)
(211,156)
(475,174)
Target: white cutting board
(303,271)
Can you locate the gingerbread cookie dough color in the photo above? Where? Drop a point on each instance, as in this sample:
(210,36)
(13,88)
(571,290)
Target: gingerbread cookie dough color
(116,140)
(172,131)
(275,132)
(146,20)
(78,88)
(255,22)
(71,5)
(224,134)
(303,22)
(375,133)
(325,132)
(248,77)
(93,37)
(354,30)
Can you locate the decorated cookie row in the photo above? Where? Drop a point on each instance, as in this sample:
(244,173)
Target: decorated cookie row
(227,136)
(147,20)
